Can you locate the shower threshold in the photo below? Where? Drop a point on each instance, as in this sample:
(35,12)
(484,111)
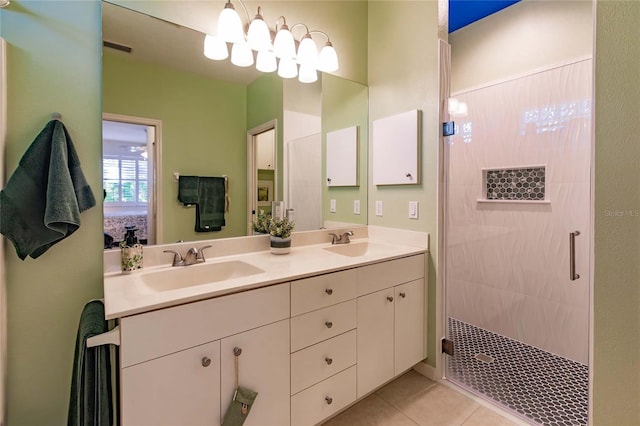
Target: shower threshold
(538,386)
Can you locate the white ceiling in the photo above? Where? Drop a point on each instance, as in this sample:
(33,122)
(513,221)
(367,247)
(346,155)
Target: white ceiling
(156,41)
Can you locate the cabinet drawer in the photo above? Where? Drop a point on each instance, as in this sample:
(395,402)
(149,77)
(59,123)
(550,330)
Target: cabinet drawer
(177,389)
(322,400)
(315,363)
(319,292)
(388,274)
(323,324)
(157,333)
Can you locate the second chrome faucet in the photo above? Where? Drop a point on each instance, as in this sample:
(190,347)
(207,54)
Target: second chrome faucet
(193,256)
(341,239)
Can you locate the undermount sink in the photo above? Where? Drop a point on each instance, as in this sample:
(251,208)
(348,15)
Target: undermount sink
(351,249)
(189,276)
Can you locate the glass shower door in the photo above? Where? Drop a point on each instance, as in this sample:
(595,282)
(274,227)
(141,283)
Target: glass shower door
(517,221)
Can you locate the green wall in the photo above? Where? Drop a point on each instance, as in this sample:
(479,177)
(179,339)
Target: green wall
(400,80)
(616,296)
(203,134)
(345,104)
(53,65)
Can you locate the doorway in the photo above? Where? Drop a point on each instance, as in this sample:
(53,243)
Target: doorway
(130,170)
(262,171)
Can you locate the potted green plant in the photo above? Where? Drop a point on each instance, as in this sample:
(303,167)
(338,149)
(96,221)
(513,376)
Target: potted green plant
(280,232)
(261,223)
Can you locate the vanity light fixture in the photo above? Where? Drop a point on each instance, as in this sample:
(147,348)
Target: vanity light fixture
(282,55)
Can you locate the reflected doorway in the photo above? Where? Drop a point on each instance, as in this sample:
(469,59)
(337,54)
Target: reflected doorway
(262,175)
(130,151)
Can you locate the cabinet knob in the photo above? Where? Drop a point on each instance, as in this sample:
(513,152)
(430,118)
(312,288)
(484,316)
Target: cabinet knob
(206,361)
(237,351)
(329,324)
(402,294)
(390,298)
(328,360)
(328,399)
(329,291)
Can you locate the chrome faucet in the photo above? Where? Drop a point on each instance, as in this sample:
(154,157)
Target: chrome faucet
(341,239)
(193,256)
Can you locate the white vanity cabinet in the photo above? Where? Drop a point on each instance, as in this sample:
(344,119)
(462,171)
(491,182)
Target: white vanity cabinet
(310,348)
(391,334)
(177,364)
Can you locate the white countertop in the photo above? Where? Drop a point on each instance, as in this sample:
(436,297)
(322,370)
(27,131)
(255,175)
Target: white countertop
(128,294)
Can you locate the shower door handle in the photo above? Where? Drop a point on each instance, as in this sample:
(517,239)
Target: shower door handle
(572,255)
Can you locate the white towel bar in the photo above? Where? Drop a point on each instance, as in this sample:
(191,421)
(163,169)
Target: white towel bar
(109,338)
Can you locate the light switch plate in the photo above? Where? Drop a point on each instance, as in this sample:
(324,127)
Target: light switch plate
(413,209)
(356,206)
(332,207)
(378,208)
(176,176)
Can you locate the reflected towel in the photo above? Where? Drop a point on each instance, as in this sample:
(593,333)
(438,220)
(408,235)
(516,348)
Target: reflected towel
(91,391)
(188,189)
(42,202)
(211,204)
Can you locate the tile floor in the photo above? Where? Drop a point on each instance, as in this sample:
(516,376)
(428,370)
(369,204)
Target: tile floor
(412,400)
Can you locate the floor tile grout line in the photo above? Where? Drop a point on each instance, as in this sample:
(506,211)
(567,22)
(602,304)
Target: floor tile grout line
(396,409)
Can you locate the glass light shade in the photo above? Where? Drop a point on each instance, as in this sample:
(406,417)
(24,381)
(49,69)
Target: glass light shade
(214,48)
(266,61)
(307,52)
(328,60)
(283,45)
(307,74)
(241,55)
(229,25)
(287,68)
(259,37)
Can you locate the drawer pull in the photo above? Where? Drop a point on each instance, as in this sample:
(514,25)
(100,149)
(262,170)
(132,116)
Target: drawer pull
(329,324)
(206,361)
(403,294)
(390,298)
(328,360)
(329,291)
(328,399)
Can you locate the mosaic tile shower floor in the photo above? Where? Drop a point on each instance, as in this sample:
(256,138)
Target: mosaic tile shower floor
(538,385)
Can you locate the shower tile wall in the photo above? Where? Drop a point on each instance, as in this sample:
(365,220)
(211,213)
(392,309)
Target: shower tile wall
(508,262)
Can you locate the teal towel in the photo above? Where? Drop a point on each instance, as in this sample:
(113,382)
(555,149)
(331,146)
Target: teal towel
(91,391)
(44,197)
(211,204)
(188,189)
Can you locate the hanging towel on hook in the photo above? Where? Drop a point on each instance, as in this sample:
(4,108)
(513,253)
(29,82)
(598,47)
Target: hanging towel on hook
(42,201)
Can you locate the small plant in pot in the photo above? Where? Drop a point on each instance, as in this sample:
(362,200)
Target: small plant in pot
(261,223)
(280,231)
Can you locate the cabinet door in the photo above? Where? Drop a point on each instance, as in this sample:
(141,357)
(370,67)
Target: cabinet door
(409,325)
(375,340)
(264,368)
(177,389)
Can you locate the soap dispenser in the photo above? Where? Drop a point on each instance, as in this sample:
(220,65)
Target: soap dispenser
(131,251)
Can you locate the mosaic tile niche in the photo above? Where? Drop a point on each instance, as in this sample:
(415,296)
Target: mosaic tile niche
(517,184)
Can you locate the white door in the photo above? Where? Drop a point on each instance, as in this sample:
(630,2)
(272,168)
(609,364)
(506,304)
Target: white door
(178,389)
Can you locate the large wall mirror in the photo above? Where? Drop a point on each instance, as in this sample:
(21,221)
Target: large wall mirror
(191,116)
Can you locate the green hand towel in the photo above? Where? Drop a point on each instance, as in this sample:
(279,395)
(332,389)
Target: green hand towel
(211,204)
(188,189)
(91,392)
(44,197)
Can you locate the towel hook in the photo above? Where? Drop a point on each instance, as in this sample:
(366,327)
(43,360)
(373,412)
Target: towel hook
(56,116)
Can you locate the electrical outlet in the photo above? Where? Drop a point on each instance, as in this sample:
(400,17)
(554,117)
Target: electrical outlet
(332,207)
(378,208)
(356,206)
(176,176)
(413,209)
